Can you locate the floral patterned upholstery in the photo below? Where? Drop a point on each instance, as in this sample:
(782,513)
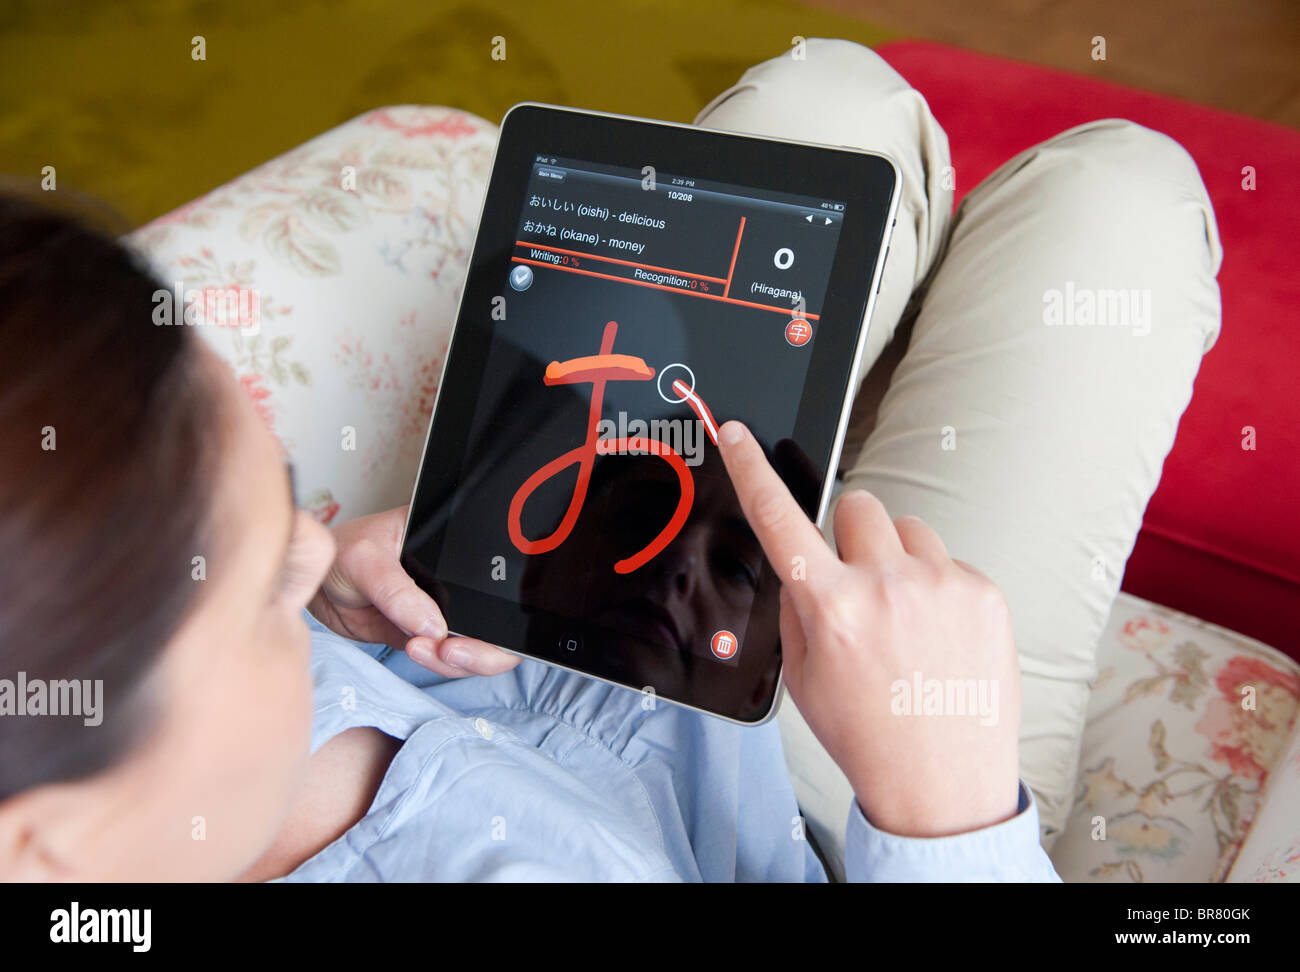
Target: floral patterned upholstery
(1271,851)
(356,246)
(1185,753)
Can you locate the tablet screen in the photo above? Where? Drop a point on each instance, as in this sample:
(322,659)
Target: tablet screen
(640,310)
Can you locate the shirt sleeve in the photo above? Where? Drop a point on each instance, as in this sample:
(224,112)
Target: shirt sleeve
(1008,851)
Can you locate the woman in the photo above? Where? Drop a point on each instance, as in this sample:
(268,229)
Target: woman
(153,543)
(148,539)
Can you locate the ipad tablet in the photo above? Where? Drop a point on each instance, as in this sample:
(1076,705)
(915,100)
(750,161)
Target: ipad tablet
(633,285)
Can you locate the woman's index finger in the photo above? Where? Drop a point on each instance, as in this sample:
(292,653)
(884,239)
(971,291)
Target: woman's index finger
(793,544)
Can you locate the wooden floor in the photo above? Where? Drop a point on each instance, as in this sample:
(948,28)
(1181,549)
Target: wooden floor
(1242,55)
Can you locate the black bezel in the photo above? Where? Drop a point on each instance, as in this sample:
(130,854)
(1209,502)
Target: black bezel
(864,181)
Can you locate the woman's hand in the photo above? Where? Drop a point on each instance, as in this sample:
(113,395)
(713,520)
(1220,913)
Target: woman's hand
(367,596)
(860,630)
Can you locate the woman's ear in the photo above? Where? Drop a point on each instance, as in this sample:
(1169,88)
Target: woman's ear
(27,823)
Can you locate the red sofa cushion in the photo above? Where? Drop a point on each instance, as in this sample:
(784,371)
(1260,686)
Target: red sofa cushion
(1220,538)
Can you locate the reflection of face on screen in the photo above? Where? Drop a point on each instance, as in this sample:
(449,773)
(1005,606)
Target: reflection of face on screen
(702,582)
(707,579)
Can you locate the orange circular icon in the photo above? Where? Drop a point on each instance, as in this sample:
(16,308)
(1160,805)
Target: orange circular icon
(798,332)
(725,645)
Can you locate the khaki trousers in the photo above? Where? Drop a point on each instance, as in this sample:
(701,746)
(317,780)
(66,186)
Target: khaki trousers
(1026,365)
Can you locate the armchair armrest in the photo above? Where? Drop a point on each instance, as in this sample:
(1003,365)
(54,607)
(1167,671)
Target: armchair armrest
(349,254)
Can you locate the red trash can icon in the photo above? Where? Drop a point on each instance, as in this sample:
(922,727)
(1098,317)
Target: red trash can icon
(725,645)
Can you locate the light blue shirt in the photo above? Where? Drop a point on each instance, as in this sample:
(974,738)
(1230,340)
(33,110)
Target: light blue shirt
(542,775)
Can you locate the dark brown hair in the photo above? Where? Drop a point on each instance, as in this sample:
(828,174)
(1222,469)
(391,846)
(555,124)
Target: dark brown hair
(97,534)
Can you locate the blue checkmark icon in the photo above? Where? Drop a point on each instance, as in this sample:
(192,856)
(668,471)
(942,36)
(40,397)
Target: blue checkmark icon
(521,277)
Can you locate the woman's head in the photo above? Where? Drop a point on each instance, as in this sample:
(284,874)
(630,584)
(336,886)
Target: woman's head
(149,545)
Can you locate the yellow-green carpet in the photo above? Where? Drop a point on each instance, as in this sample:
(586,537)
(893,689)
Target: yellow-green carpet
(109,94)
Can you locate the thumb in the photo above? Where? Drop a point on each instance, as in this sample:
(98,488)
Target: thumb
(372,575)
(794,643)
